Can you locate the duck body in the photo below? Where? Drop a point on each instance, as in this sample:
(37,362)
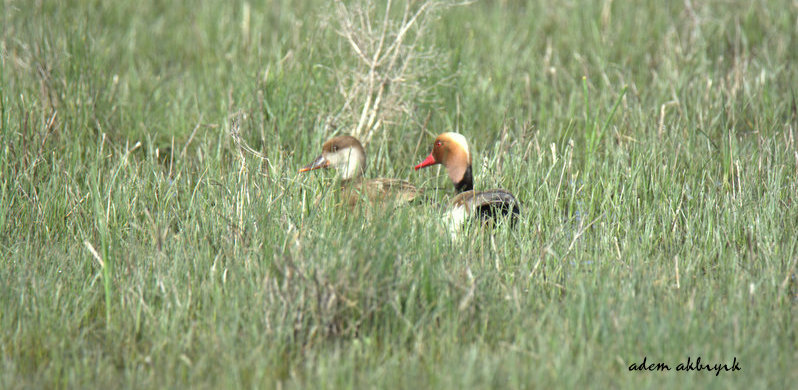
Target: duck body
(347,156)
(486,205)
(378,190)
(451,150)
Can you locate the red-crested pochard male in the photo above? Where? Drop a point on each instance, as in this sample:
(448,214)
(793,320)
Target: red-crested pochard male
(451,150)
(346,155)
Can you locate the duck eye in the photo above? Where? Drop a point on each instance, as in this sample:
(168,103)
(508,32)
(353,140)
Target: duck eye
(335,148)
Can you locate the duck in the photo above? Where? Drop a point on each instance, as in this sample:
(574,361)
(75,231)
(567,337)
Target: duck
(346,155)
(451,150)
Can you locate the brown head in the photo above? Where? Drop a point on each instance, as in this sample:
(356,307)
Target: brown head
(451,150)
(343,153)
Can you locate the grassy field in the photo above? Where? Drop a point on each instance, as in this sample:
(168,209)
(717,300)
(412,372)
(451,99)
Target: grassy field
(155,233)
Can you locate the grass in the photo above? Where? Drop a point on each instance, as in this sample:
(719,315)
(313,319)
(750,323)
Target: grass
(652,146)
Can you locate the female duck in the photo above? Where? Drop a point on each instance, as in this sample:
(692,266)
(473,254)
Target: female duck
(346,155)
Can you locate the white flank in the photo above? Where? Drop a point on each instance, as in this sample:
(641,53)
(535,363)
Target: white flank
(456,216)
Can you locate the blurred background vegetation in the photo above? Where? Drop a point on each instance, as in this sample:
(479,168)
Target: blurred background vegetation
(154,231)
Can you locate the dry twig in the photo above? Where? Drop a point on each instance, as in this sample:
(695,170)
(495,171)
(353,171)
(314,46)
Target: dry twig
(388,68)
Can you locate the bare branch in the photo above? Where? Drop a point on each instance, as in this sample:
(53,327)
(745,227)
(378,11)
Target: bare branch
(388,72)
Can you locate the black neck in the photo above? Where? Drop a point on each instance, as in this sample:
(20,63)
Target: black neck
(466,183)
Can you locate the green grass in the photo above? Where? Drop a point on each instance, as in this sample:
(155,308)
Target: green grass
(651,144)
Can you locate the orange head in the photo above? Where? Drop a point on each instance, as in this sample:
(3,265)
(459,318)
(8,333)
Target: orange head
(451,150)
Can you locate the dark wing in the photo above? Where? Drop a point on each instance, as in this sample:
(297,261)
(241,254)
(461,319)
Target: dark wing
(492,203)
